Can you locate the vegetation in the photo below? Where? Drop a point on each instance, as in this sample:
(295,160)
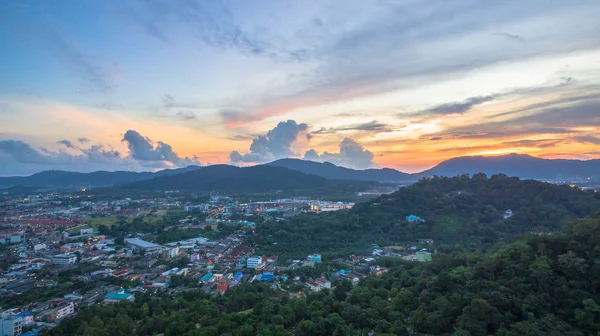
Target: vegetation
(256,179)
(460,212)
(542,284)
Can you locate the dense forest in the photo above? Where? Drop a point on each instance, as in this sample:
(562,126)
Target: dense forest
(459,211)
(255,179)
(541,284)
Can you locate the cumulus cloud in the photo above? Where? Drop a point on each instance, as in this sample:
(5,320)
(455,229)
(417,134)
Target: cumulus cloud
(351,154)
(20,158)
(143,148)
(276,144)
(22,152)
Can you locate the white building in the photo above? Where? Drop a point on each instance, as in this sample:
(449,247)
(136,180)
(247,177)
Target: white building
(65,309)
(254,262)
(139,244)
(39,247)
(64,259)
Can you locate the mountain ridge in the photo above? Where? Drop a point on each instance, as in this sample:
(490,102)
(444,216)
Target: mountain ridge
(520,165)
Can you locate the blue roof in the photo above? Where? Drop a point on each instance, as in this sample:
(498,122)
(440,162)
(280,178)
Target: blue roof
(25,314)
(206,277)
(118,296)
(266,277)
(239,273)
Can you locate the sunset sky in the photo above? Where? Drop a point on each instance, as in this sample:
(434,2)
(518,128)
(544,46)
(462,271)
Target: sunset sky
(144,85)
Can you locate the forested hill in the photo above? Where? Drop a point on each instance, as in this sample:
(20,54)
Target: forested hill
(539,285)
(458,210)
(66,179)
(256,179)
(330,171)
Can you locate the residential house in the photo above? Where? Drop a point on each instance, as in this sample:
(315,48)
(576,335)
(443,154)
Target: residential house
(118,296)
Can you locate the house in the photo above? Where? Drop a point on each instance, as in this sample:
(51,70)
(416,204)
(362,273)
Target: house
(222,287)
(414,219)
(377,252)
(426,241)
(323,282)
(118,296)
(313,285)
(507,214)
(314,257)
(423,256)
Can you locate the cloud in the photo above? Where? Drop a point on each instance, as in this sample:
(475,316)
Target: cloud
(66,143)
(588,138)
(233,118)
(186,115)
(276,144)
(143,148)
(83,140)
(20,158)
(23,152)
(458,107)
(351,155)
(554,120)
(513,37)
(370,126)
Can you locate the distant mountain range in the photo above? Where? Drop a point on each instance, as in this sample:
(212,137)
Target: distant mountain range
(523,166)
(66,179)
(333,172)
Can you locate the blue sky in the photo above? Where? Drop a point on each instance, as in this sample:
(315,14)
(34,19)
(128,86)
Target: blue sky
(403,84)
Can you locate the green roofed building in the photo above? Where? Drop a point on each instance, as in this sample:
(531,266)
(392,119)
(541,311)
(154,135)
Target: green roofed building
(118,296)
(423,256)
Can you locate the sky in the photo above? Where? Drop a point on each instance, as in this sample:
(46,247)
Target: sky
(151,84)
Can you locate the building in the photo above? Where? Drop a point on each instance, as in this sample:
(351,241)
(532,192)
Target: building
(323,282)
(64,259)
(314,257)
(254,262)
(138,244)
(39,247)
(11,326)
(414,219)
(64,309)
(118,296)
(426,241)
(507,214)
(27,318)
(423,256)
(86,231)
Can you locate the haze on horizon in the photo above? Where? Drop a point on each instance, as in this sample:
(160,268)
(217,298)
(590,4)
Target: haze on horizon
(144,85)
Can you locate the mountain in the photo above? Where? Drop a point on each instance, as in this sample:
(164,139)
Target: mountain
(459,210)
(523,166)
(255,179)
(330,171)
(64,179)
